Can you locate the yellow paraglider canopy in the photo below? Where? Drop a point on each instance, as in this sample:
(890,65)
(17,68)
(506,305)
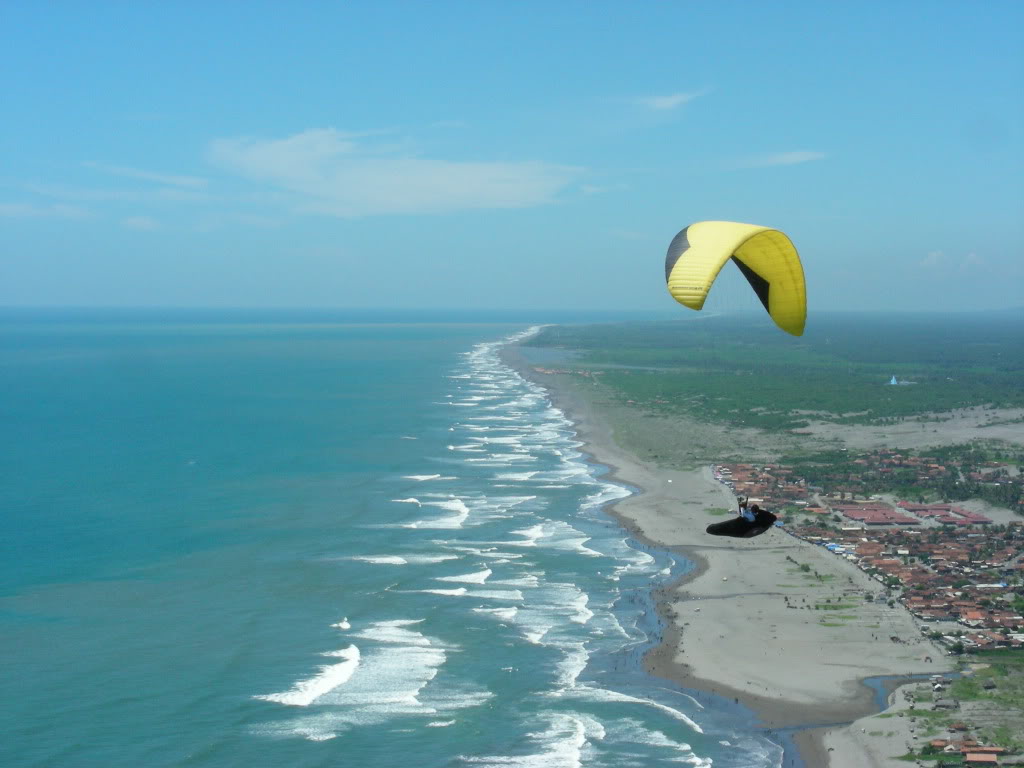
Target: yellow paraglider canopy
(765,256)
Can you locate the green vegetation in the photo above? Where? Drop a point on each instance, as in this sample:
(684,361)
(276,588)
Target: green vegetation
(837,468)
(928,714)
(934,757)
(718,511)
(991,702)
(1001,683)
(741,370)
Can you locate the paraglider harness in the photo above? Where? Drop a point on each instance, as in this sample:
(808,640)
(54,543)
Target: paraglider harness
(750,523)
(745,512)
(761,518)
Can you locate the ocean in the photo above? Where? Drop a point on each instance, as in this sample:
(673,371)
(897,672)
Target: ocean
(246,541)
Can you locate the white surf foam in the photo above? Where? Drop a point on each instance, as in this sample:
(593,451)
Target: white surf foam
(305,692)
(388,682)
(564,743)
(553,534)
(630,731)
(530,580)
(572,665)
(515,476)
(394,631)
(429,559)
(502,614)
(507,440)
(593,693)
(513,594)
(451,522)
(478,577)
(582,614)
(453,592)
(530,536)
(606,494)
(381,559)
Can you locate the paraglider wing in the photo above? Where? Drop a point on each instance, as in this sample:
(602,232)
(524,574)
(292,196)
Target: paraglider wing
(765,256)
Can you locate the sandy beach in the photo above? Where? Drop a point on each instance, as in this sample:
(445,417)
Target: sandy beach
(782,626)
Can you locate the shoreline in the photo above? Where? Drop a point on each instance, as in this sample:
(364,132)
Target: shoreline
(815,695)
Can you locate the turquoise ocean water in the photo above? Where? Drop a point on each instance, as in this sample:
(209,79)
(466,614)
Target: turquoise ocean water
(343,542)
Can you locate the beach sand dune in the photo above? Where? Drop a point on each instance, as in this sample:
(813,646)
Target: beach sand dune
(960,426)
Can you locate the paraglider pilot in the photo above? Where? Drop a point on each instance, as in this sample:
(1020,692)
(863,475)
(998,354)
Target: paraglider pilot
(752,521)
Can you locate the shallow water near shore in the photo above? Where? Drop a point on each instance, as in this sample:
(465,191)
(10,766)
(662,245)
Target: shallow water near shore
(352,543)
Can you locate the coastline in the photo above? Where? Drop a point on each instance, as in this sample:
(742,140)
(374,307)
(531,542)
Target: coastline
(743,623)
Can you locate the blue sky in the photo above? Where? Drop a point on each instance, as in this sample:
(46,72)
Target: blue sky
(504,154)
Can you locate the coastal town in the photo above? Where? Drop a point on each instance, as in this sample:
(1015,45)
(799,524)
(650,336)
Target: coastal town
(959,572)
(885,610)
(951,567)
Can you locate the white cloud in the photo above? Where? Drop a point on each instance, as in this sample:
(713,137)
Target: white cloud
(328,172)
(670,101)
(32,211)
(172,180)
(938,263)
(140,223)
(972,260)
(784,158)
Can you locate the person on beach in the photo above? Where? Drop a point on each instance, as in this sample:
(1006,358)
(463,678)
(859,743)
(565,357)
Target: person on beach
(752,521)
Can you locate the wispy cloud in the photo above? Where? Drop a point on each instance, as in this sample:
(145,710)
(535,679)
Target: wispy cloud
(172,180)
(940,263)
(783,158)
(670,101)
(33,211)
(331,172)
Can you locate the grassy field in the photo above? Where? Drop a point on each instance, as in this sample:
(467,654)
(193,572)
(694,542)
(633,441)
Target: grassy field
(991,703)
(741,371)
